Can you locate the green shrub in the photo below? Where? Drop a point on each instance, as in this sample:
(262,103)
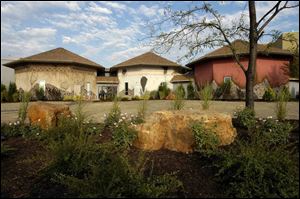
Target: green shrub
(125,99)
(190,91)
(178,103)
(274,131)
(206,95)
(111,175)
(226,86)
(253,170)
(4,96)
(142,109)
(245,117)
(89,169)
(40,93)
(281,102)
(68,98)
(3,87)
(269,95)
(163,90)
(207,141)
(25,98)
(15,97)
(123,135)
(154,95)
(136,97)
(114,114)
(12,88)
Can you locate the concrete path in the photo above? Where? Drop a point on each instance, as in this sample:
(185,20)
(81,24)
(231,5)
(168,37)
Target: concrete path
(96,110)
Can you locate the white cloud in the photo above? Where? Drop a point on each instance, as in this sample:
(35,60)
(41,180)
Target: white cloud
(114,5)
(149,11)
(96,8)
(27,41)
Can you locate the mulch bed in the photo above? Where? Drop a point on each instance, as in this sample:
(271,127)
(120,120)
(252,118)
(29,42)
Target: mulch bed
(20,170)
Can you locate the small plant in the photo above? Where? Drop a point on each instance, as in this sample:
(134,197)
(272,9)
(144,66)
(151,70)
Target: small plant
(142,109)
(163,90)
(124,135)
(274,131)
(190,91)
(114,114)
(178,103)
(12,88)
(269,95)
(154,95)
(281,102)
(40,93)
(206,95)
(207,141)
(245,117)
(256,168)
(25,98)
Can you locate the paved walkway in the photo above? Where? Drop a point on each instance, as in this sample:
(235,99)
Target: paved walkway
(96,110)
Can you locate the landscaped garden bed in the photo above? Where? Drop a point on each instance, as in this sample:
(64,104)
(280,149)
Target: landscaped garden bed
(79,158)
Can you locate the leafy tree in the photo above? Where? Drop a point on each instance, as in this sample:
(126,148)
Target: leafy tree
(191,30)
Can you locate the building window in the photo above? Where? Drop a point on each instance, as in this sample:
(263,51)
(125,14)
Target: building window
(126,88)
(165,70)
(227,78)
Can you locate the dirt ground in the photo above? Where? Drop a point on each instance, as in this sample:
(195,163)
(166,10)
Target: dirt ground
(96,110)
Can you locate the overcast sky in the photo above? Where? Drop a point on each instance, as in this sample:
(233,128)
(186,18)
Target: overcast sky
(105,32)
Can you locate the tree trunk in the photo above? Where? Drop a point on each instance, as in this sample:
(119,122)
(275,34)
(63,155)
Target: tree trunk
(250,73)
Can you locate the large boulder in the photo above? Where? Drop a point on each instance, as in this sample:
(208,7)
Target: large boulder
(171,130)
(45,114)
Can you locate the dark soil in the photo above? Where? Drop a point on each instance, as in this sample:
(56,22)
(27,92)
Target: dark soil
(20,171)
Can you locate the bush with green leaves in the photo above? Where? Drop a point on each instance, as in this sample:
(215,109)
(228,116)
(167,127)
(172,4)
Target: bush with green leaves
(269,95)
(163,90)
(154,95)
(274,131)
(206,139)
(281,103)
(245,117)
(25,98)
(12,89)
(256,168)
(190,91)
(109,173)
(40,93)
(178,103)
(114,114)
(15,129)
(123,135)
(206,95)
(89,169)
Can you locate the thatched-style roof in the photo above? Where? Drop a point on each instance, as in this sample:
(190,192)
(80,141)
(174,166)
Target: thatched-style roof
(181,78)
(147,59)
(107,80)
(242,48)
(57,55)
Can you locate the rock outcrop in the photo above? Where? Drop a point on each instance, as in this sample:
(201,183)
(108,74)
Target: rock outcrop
(171,130)
(45,114)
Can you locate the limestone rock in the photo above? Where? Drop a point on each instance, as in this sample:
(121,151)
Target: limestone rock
(45,114)
(171,130)
(260,89)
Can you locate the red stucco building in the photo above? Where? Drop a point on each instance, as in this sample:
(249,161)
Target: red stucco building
(272,65)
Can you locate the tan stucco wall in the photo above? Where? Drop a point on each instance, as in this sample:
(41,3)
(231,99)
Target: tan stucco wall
(65,77)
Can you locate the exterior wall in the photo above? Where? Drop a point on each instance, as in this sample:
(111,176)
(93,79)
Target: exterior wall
(275,70)
(66,77)
(203,73)
(154,75)
(7,74)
